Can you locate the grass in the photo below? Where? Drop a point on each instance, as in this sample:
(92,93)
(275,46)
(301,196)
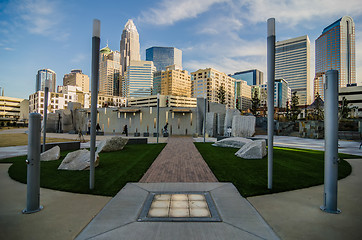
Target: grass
(293,169)
(20,139)
(114,171)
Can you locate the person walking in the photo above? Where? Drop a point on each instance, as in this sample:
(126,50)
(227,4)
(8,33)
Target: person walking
(125,130)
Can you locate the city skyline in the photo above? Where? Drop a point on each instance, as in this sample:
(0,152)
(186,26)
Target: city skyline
(226,35)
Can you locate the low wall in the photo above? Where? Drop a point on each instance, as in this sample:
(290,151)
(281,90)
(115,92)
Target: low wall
(64,146)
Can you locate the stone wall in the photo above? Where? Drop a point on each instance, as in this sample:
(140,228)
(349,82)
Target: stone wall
(311,129)
(243,126)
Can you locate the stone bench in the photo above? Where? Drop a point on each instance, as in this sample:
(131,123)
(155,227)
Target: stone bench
(64,146)
(137,140)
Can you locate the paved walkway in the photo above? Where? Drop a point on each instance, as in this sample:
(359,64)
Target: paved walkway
(179,161)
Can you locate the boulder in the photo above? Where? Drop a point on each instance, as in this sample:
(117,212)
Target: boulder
(112,144)
(78,160)
(51,154)
(252,150)
(243,126)
(233,142)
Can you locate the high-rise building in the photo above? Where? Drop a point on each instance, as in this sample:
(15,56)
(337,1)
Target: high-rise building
(292,63)
(252,77)
(77,78)
(175,82)
(335,49)
(242,95)
(208,82)
(43,76)
(319,80)
(130,46)
(164,56)
(109,72)
(156,89)
(138,79)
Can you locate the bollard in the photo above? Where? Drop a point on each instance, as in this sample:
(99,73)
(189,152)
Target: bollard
(331,142)
(33,165)
(271,76)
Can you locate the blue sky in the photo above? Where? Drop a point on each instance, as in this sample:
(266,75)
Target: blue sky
(228,35)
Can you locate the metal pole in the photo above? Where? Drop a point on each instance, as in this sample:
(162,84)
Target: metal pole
(205,102)
(331,142)
(33,165)
(158,115)
(271,76)
(46,89)
(94,98)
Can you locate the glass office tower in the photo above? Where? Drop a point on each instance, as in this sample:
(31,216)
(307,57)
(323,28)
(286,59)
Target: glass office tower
(41,77)
(163,57)
(252,77)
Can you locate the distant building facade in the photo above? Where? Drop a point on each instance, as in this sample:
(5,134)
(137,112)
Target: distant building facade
(208,82)
(77,78)
(165,101)
(129,46)
(252,77)
(335,49)
(43,76)
(109,72)
(319,80)
(242,95)
(353,95)
(163,57)
(14,110)
(282,93)
(292,63)
(175,82)
(138,79)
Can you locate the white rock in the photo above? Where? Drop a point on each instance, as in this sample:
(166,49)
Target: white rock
(233,142)
(112,144)
(243,126)
(78,160)
(253,150)
(51,154)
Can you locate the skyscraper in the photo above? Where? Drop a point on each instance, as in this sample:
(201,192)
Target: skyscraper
(252,77)
(138,79)
(335,49)
(292,63)
(164,56)
(77,78)
(109,72)
(42,76)
(130,46)
(175,82)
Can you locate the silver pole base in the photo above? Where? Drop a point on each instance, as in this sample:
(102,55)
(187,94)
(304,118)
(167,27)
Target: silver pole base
(32,211)
(325,209)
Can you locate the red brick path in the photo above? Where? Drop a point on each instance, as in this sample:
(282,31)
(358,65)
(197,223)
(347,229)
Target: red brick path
(179,161)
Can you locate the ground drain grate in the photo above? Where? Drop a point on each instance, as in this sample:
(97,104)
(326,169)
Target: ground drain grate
(179,207)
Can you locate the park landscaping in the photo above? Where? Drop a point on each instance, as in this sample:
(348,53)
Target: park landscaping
(293,169)
(114,171)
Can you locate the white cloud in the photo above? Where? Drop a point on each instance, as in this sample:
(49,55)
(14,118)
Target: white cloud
(9,49)
(170,11)
(80,57)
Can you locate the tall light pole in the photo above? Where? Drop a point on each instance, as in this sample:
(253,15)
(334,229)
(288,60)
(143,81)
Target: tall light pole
(271,76)
(331,142)
(46,93)
(158,115)
(94,98)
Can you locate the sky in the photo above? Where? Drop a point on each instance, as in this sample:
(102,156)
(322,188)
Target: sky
(228,35)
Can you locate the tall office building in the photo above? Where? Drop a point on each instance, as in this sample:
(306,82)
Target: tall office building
(252,77)
(138,79)
(292,63)
(77,78)
(335,49)
(130,46)
(109,72)
(282,93)
(207,82)
(42,76)
(175,82)
(164,56)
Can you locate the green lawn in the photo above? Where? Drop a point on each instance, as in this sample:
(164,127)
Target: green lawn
(293,169)
(114,171)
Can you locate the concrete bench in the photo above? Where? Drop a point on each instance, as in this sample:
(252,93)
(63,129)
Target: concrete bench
(64,146)
(137,141)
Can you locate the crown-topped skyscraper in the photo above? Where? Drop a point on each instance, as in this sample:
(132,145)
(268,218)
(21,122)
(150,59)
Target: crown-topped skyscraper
(130,45)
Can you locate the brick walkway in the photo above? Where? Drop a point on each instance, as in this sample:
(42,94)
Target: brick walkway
(179,161)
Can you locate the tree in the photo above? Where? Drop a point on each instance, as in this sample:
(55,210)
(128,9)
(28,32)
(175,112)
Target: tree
(318,110)
(287,110)
(221,94)
(294,107)
(344,109)
(255,102)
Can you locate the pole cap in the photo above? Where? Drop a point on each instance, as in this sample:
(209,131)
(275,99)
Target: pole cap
(96,28)
(271,27)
